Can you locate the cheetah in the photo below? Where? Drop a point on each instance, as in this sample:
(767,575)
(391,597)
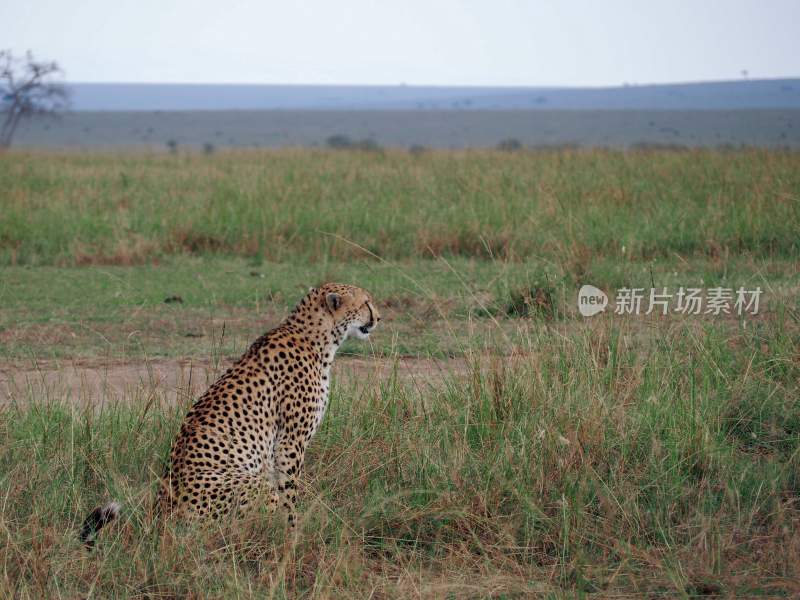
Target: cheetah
(243,442)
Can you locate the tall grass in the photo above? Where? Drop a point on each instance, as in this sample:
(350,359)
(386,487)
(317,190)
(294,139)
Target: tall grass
(130,208)
(598,462)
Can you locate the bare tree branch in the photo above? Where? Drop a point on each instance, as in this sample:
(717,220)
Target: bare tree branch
(27,89)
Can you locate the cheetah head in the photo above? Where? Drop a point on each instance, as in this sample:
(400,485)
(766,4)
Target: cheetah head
(352,309)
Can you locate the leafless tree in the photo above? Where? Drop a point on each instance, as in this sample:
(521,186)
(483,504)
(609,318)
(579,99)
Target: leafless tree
(27,89)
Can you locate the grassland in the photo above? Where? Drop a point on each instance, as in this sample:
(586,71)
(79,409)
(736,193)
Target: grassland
(528,453)
(76,209)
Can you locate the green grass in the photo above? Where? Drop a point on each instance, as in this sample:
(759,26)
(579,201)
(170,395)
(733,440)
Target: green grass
(120,312)
(123,209)
(486,447)
(601,464)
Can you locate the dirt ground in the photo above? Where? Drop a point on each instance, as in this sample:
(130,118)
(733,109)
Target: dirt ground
(95,382)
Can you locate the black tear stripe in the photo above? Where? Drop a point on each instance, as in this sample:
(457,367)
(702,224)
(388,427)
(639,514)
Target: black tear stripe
(371,316)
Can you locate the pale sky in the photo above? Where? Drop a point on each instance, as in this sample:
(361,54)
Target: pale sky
(422,42)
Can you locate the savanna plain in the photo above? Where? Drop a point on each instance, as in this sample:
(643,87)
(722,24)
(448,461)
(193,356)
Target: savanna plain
(488,441)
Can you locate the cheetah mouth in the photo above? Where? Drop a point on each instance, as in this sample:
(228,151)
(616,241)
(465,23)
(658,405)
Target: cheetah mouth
(365,329)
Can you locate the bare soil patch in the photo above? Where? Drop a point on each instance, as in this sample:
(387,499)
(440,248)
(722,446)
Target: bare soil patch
(97,382)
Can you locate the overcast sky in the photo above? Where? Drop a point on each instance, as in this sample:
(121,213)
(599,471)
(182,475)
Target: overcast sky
(431,42)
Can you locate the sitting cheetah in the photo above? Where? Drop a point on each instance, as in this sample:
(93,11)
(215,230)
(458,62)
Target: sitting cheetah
(245,439)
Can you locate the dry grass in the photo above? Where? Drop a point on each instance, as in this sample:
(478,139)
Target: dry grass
(607,463)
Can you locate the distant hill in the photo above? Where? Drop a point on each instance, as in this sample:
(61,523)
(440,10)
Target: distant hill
(723,95)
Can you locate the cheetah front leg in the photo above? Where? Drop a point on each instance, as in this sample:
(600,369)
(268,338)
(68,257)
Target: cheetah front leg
(289,456)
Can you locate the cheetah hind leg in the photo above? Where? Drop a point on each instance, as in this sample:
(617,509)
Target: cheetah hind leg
(232,495)
(255,492)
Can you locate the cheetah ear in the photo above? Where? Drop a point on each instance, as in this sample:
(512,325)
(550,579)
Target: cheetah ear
(334,301)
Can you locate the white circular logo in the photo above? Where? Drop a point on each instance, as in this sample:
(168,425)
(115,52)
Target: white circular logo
(591,300)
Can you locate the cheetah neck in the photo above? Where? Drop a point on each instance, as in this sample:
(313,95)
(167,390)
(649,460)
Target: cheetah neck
(319,331)
(317,328)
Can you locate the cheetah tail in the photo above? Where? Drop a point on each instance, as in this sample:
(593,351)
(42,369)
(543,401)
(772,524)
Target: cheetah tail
(97,519)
